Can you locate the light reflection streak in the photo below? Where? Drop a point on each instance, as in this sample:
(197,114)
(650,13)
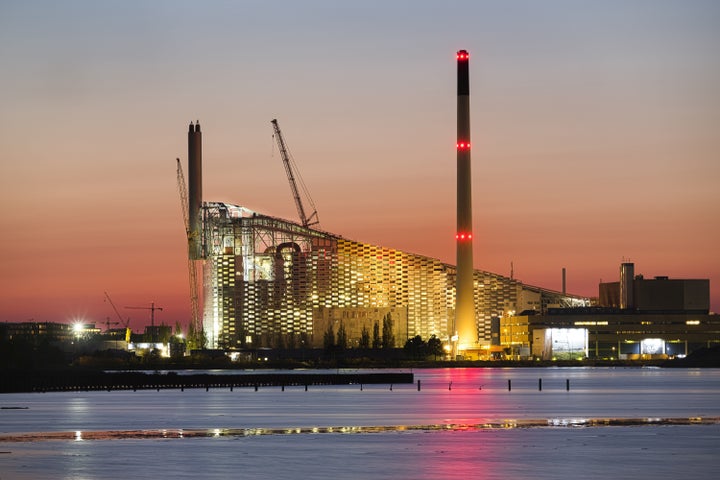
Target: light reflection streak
(356,429)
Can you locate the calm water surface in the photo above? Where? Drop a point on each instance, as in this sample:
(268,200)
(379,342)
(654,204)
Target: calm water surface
(437,431)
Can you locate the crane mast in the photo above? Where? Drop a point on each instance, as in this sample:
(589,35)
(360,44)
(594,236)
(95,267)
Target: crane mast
(307,221)
(192,270)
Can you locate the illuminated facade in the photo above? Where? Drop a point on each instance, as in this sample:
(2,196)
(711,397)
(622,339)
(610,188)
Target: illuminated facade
(607,333)
(636,318)
(269,282)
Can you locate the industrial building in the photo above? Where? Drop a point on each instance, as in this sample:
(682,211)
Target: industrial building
(271,282)
(636,318)
(261,281)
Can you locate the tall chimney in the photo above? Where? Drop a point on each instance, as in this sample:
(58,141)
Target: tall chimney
(564,291)
(195,190)
(627,282)
(465,325)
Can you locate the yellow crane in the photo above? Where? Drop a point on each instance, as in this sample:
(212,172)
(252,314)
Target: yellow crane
(192,268)
(292,172)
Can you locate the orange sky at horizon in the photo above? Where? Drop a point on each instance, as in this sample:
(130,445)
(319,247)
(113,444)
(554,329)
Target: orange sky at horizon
(594,134)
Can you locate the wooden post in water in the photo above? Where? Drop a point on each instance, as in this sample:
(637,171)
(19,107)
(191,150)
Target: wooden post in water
(567,385)
(418,385)
(539,384)
(509,385)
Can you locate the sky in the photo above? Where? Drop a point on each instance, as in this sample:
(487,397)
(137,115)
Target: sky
(595,129)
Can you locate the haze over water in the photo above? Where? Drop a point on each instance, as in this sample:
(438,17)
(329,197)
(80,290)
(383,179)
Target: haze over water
(462,422)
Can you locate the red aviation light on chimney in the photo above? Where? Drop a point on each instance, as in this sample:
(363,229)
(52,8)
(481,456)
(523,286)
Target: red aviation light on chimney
(463,236)
(463,55)
(463,145)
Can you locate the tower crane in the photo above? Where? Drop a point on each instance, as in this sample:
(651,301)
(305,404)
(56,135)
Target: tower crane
(107,323)
(192,270)
(152,309)
(124,323)
(292,172)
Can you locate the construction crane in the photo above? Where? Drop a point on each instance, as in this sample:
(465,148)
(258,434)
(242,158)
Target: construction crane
(107,323)
(152,309)
(124,323)
(292,172)
(192,270)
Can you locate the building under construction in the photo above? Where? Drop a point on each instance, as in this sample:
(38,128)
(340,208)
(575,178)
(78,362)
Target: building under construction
(269,282)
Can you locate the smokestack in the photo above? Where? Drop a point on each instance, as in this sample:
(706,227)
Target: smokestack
(465,325)
(627,282)
(563,281)
(195,190)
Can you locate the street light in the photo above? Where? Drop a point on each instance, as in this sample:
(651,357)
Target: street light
(78,328)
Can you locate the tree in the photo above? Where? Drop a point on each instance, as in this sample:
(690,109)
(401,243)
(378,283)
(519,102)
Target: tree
(279,340)
(416,347)
(193,338)
(291,341)
(376,336)
(435,347)
(388,339)
(202,338)
(364,338)
(329,338)
(304,339)
(196,339)
(341,341)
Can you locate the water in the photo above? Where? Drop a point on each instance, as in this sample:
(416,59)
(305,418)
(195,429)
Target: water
(463,422)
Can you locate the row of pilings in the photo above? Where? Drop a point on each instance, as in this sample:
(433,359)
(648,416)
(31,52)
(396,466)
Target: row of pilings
(509,385)
(91,381)
(84,380)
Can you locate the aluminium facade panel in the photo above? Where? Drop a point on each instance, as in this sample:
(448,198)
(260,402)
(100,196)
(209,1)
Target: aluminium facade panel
(270,283)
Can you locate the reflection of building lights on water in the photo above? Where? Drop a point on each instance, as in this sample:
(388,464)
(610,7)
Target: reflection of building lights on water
(78,436)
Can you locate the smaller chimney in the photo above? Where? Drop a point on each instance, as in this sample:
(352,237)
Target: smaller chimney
(627,282)
(195,197)
(564,291)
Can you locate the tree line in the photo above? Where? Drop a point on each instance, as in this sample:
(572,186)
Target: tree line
(339,340)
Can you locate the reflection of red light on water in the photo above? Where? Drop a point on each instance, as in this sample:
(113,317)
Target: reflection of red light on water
(459,449)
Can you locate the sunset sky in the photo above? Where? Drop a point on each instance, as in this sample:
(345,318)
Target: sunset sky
(595,128)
